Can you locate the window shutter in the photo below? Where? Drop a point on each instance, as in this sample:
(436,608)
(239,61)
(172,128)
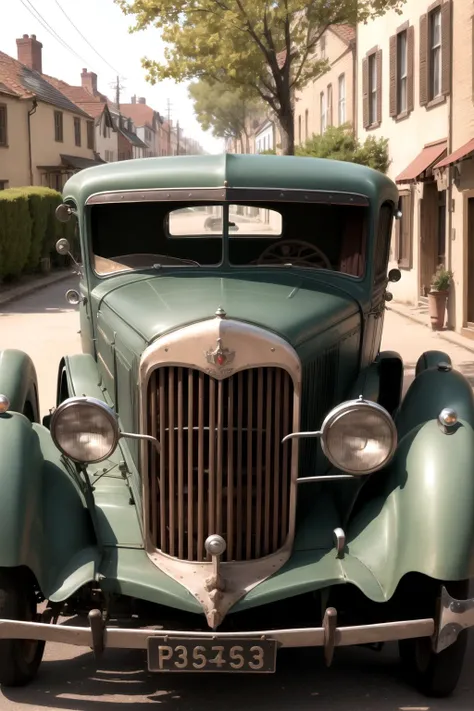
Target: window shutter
(398,239)
(393,76)
(365,92)
(379,86)
(423,60)
(410,68)
(446,48)
(405,249)
(3,125)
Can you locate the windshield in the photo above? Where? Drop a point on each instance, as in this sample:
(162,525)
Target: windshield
(151,235)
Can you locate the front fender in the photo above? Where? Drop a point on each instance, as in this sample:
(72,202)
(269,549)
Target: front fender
(44,523)
(420,516)
(18,381)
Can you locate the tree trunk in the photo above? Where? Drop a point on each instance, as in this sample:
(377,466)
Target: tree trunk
(287,125)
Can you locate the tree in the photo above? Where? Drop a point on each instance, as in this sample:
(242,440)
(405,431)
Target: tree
(340,143)
(265,49)
(227,111)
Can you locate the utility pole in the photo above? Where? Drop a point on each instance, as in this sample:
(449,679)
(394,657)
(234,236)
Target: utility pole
(118,88)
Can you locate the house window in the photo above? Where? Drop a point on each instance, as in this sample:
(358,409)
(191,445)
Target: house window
(55,181)
(58,126)
(299,128)
(341,105)
(404,232)
(402,72)
(77,131)
(90,135)
(3,125)
(322,111)
(434,39)
(322,46)
(3,184)
(372,89)
(329,106)
(306,120)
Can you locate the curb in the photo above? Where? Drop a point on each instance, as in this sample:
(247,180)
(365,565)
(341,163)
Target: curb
(25,289)
(455,338)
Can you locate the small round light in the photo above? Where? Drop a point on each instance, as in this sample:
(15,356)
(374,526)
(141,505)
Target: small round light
(4,404)
(215,544)
(447,418)
(359,437)
(85,429)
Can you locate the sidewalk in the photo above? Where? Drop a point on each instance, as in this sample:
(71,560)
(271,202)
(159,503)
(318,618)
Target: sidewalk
(415,314)
(32,283)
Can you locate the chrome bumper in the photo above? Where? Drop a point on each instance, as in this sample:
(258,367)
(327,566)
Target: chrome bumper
(454,616)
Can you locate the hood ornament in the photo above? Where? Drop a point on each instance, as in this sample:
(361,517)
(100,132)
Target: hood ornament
(220,313)
(220,356)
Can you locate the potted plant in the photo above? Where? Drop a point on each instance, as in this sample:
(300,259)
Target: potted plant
(437,296)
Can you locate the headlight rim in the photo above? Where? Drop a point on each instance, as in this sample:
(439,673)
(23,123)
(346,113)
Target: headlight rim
(348,406)
(105,409)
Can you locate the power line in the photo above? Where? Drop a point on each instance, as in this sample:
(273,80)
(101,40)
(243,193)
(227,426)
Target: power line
(84,38)
(34,12)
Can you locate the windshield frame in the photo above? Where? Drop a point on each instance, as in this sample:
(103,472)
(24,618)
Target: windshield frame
(225,197)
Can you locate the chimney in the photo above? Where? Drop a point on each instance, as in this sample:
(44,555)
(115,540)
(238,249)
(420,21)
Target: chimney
(89,82)
(29,52)
(142,100)
(134,100)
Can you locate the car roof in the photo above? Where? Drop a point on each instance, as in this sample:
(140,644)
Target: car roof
(231,171)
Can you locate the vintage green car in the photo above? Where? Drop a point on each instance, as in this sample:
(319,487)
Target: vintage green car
(230,467)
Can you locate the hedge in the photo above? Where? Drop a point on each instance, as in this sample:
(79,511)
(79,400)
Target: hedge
(29,229)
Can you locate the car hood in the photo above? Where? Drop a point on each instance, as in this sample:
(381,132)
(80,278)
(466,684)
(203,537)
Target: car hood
(296,308)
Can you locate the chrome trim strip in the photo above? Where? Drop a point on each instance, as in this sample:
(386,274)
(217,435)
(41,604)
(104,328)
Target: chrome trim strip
(225,194)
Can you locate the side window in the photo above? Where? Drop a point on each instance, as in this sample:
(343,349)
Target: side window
(382,244)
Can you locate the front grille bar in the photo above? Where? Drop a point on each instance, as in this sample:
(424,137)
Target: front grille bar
(222,467)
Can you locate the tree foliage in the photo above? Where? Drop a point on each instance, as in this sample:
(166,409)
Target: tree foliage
(226,111)
(266,49)
(339,143)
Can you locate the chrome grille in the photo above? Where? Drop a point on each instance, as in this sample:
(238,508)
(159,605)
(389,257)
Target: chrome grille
(222,467)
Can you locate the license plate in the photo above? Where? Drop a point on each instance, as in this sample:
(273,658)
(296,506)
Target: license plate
(211,655)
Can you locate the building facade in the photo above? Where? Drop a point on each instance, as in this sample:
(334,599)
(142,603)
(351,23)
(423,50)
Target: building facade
(265,137)
(455,173)
(404,95)
(330,99)
(44,136)
(89,99)
(147,122)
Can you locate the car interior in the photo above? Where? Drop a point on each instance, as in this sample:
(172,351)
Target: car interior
(313,236)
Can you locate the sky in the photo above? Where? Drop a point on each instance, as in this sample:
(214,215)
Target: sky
(105,30)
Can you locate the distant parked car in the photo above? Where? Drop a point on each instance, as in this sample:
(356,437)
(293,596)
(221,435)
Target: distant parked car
(213,224)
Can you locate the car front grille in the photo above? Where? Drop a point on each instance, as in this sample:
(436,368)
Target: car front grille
(222,468)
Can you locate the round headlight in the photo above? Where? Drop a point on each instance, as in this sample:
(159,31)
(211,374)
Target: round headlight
(359,437)
(85,429)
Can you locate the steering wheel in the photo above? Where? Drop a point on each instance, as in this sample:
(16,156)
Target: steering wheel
(293,251)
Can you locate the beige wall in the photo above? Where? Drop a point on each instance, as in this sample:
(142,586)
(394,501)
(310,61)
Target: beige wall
(308,100)
(105,143)
(462,132)
(47,151)
(406,136)
(14,165)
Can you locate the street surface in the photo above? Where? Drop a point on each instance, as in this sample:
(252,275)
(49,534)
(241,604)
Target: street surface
(45,326)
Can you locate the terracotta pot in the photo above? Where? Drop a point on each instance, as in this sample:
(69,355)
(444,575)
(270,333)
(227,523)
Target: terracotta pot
(437,308)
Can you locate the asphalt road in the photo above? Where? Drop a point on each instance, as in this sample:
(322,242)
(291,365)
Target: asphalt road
(360,680)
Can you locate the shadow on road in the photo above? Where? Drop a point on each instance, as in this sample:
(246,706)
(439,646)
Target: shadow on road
(360,680)
(50,299)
